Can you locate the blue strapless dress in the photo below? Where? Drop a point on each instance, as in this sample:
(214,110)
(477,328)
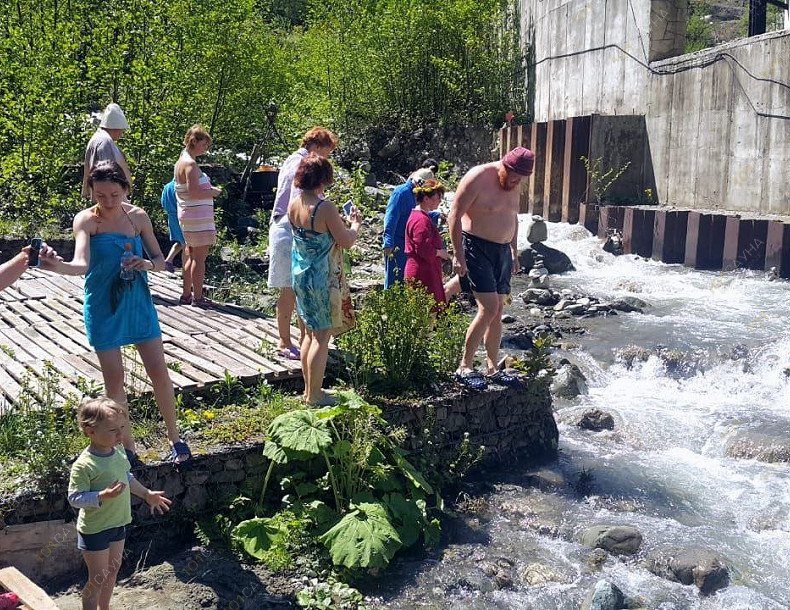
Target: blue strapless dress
(134,319)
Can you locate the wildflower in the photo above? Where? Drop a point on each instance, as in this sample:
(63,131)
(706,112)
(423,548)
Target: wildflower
(209,415)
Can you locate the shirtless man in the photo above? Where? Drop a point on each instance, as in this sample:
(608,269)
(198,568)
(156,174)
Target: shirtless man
(484,232)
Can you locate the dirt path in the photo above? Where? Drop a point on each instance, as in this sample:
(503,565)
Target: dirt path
(194,579)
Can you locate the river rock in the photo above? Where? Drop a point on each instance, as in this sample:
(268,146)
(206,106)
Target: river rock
(766,442)
(575,309)
(540,574)
(616,539)
(595,420)
(508,319)
(518,338)
(537,231)
(554,260)
(629,304)
(632,353)
(569,382)
(699,567)
(604,596)
(539,296)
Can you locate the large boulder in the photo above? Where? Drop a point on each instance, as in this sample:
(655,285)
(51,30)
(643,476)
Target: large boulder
(629,304)
(537,231)
(569,382)
(595,420)
(699,567)
(554,260)
(604,596)
(615,539)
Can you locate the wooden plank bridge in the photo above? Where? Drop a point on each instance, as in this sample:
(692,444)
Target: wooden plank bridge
(41,322)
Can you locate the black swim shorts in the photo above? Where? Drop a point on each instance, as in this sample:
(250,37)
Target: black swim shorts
(489,265)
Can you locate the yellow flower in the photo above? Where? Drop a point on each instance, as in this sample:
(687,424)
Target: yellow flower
(209,415)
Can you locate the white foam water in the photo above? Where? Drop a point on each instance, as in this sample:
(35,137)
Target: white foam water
(667,457)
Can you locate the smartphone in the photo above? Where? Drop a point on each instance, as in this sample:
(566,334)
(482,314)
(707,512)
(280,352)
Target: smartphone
(348,207)
(35,246)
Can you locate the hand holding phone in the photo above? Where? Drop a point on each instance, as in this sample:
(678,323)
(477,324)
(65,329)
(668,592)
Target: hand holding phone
(35,247)
(348,207)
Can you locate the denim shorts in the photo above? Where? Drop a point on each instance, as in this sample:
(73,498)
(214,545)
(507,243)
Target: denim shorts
(101,540)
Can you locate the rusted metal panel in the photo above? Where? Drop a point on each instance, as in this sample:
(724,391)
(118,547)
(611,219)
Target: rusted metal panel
(705,240)
(555,156)
(538,181)
(777,248)
(730,253)
(752,236)
(610,217)
(669,236)
(638,231)
(575,179)
(522,139)
(588,217)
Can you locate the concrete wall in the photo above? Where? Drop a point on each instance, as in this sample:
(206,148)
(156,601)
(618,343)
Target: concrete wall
(710,146)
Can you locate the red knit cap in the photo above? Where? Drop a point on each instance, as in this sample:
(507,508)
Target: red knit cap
(520,160)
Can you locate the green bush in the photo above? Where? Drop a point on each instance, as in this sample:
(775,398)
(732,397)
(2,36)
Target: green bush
(399,342)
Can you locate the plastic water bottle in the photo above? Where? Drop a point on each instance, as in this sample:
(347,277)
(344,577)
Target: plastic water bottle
(127,273)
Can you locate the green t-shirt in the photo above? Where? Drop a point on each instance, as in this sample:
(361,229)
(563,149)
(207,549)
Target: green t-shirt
(94,473)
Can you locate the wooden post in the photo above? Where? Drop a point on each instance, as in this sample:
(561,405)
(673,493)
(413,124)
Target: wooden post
(777,248)
(730,253)
(538,181)
(553,180)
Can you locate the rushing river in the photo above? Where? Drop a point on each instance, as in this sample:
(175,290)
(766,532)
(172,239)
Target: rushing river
(664,468)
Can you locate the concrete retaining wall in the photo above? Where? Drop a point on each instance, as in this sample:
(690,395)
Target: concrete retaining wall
(37,532)
(717,121)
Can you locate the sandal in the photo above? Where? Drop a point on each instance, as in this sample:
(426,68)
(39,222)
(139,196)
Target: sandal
(180,448)
(290,353)
(182,300)
(472,380)
(134,460)
(202,302)
(505,379)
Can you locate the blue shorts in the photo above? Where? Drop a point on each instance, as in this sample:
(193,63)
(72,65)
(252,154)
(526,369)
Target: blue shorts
(101,540)
(489,265)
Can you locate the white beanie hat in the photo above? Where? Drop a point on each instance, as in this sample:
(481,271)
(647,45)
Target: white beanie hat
(422,174)
(113,118)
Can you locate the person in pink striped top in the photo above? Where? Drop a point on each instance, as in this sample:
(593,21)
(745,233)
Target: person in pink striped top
(195,196)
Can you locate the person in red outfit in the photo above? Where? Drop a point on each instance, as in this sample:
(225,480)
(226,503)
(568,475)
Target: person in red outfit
(425,247)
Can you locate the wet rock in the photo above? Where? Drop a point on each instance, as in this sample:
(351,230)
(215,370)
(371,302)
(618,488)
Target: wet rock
(390,149)
(699,567)
(569,382)
(632,353)
(614,244)
(616,539)
(596,420)
(629,304)
(540,512)
(540,573)
(554,260)
(539,296)
(519,338)
(679,364)
(537,231)
(604,596)
(508,319)
(596,559)
(767,442)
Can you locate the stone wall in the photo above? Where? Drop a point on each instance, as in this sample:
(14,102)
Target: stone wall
(718,121)
(511,423)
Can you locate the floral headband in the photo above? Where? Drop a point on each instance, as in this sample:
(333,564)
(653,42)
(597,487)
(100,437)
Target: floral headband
(428,190)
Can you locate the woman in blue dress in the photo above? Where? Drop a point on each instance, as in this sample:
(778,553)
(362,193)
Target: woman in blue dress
(322,299)
(118,309)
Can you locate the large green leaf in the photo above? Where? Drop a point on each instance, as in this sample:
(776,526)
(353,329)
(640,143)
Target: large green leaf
(300,431)
(407,517)
(410,472)
(363,538)
(257,535)
(280,455)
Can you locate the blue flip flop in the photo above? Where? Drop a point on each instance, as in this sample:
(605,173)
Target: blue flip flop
(472,380)
(506,379)
(180,448)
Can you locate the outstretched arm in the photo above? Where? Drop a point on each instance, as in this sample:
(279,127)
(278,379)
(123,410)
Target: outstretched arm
(11,270)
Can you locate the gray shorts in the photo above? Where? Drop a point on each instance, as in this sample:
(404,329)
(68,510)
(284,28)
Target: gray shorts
(100,541)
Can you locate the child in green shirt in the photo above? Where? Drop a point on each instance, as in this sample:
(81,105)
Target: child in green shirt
(99,486)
